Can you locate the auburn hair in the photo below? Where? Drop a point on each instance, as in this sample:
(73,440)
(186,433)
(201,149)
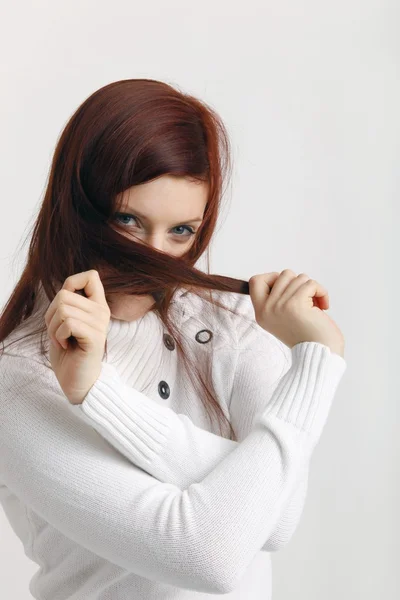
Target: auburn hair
(127,133)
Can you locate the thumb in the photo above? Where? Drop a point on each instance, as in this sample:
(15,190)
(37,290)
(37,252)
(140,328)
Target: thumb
(260,286)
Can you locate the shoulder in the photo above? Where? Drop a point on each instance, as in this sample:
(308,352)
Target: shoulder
(235,323)
(29,391)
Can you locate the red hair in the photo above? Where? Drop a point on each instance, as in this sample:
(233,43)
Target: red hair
(124,134)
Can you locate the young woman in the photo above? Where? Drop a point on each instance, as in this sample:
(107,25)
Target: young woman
(112,471)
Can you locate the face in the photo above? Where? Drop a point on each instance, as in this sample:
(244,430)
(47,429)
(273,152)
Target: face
(165,213)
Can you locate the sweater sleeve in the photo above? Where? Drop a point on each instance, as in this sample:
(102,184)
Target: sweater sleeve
(202,538)
(257,374)
(188,453)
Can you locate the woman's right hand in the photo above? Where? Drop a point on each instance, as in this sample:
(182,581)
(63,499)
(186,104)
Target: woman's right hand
(292,309)
(77,327)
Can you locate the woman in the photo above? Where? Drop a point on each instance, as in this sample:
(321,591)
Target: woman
(112,472)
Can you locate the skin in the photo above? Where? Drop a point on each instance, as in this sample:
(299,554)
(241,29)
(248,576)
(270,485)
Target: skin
(169,208)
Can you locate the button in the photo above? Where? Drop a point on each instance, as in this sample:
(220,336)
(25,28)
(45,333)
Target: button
(169,341)
(163,389)
(204,336)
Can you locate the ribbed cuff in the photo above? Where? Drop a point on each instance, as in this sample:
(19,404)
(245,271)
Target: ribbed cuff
(127,417)
(304,395)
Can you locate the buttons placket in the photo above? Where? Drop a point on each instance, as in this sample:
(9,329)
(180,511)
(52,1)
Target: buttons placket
(202,337)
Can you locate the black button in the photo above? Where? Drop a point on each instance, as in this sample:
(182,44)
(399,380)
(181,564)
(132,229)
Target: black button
(163,389)
(204,336)
(169,341)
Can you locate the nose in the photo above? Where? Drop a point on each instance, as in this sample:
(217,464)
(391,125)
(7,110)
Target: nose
(156,241)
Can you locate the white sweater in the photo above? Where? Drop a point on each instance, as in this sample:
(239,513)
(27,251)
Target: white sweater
(133,494)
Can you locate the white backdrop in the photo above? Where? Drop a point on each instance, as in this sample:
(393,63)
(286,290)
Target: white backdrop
(310,94)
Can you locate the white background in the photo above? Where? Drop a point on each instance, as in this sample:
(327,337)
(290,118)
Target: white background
(310,94)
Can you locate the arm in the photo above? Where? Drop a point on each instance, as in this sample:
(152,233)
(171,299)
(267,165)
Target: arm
(203,538)
(189,452)
(252,391)
(184,453)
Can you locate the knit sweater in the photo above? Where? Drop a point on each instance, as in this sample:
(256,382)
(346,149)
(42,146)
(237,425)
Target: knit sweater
(134,494)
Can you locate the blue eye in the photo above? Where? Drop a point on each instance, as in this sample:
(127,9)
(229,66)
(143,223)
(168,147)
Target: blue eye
(128,216)
(119,215)
(189,229)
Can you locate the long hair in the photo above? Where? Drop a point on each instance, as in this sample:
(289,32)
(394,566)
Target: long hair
(127,133)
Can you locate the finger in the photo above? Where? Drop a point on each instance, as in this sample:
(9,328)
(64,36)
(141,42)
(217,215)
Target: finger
(314,290)
(85,335)
(69,293)
(285,278)
(66,297)
(292,287)
(90,283)
(260,287)
(322,303)
(67,311)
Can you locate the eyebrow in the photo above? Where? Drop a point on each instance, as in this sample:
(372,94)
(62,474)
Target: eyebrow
(196,219)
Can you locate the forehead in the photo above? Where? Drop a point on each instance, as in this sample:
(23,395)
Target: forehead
(167,197)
